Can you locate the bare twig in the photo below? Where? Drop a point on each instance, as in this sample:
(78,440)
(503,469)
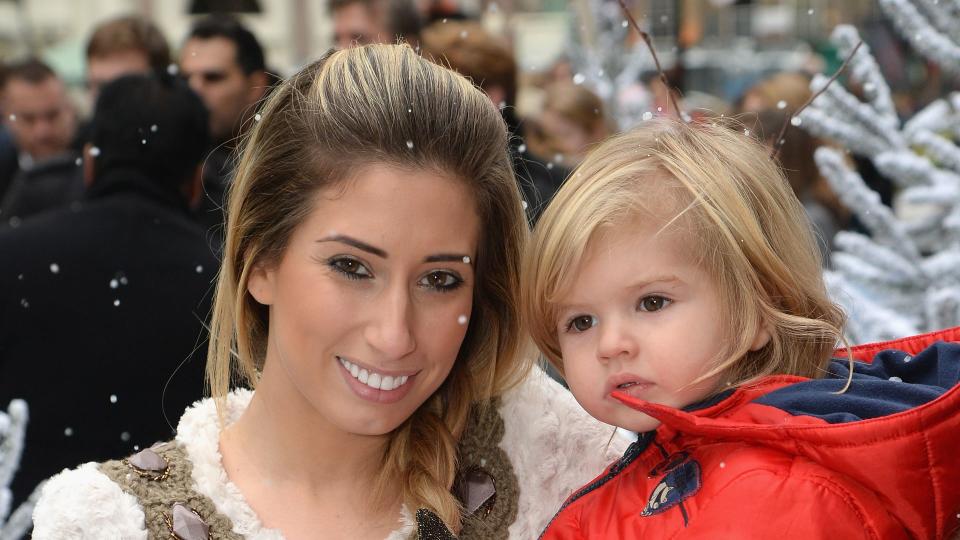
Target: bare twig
(778,142)
(649,43)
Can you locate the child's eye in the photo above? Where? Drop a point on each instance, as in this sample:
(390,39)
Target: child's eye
(350,268)
(653,303)
(581,323)
(441,281)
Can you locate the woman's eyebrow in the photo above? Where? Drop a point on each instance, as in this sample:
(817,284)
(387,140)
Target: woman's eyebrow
(448,257)
(363,246)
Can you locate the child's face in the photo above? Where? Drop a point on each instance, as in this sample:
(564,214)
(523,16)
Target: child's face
(641,317)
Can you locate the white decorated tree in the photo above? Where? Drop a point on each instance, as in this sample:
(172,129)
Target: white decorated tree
(605,61)
(905,277)
(13,426)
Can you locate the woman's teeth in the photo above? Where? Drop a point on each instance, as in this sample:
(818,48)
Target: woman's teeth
(373,380)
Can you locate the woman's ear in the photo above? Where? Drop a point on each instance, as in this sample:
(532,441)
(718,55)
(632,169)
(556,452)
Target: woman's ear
(261,284)
(761,338)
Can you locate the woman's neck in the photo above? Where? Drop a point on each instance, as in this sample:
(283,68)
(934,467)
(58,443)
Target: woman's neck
(298,472)
(282,435)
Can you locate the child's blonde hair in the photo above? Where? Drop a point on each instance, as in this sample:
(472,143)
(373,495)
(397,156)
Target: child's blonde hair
(740,219)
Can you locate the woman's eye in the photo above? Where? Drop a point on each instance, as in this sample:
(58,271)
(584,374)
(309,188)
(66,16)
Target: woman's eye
(441,281)
(351,268)
(653,303)
(581,323)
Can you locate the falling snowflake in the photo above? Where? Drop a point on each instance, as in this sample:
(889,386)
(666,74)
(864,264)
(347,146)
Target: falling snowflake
(410,145)
(199,269)
(94,151)
(153,128)
(116,302)
(781,104)
(54,268)
(462,319)
(113,398)
(172,69)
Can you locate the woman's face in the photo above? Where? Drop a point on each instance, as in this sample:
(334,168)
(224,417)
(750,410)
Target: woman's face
(371,300)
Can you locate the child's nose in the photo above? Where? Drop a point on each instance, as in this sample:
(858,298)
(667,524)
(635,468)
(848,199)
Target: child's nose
(615,340)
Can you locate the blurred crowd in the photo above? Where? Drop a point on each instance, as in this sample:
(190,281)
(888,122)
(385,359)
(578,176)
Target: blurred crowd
(110,226)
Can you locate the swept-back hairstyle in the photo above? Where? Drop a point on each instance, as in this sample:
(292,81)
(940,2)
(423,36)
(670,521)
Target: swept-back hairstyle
(737,217)
(379,104)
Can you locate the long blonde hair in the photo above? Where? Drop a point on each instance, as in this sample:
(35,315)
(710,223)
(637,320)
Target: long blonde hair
(739,216)
(379,104)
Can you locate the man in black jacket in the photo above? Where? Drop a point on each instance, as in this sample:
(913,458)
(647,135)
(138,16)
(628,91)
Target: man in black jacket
(102,305)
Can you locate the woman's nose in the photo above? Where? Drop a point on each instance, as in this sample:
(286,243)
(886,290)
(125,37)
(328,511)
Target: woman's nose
(390,331)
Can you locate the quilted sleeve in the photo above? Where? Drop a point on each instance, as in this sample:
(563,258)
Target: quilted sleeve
(554,446)
(81,504)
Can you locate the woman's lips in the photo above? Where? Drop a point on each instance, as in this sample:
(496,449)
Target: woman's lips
(371,385)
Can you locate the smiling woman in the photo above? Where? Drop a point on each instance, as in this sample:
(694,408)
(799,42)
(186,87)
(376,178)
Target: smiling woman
(369,295)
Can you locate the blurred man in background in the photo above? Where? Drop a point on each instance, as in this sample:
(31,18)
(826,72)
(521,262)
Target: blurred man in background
(123,46)
(359,22)
(470,50)
(102,306)
(224,63)
(43,122)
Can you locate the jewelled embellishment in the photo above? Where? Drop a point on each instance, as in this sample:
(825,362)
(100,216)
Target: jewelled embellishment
(477,491)
(148,464)
(431,527)
(186,524)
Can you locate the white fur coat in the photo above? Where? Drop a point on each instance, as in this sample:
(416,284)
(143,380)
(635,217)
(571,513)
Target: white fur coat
(553,445)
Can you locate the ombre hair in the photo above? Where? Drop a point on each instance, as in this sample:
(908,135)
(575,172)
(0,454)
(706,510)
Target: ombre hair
(737,217)
(379,104)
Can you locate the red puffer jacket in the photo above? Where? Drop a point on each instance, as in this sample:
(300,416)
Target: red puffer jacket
(789,458)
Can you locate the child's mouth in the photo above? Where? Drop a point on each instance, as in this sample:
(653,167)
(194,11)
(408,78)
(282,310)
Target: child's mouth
(626,385)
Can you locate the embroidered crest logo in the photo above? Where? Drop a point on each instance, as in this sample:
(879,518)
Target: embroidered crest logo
(681,481)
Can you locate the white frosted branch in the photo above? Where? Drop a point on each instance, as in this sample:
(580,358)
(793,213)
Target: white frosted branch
(941,149)
(826,124)
(11,446)
(863,68)
(940,194)
(943,307)
(865,202)
(883,127)
(942,267)
(22,519)
(898,268)
(924,38)
(937,116)
(938,14)
(867,320)
(905,168)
